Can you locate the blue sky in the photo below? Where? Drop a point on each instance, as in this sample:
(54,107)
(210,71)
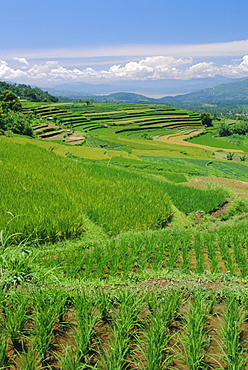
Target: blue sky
(100,41)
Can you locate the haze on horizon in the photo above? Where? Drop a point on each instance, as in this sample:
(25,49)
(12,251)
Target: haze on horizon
(54,42)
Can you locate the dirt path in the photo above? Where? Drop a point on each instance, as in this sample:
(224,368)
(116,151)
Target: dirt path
(180,140)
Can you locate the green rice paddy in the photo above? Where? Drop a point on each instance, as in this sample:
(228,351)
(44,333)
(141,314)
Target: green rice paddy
(109,261)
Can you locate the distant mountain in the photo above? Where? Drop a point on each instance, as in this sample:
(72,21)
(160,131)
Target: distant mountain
(235,93)
(224,94)
(27,92)
(119,97)
(124,97)
(152,88)
(68,95)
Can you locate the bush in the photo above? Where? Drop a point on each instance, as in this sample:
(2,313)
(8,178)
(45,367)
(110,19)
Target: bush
(237,207)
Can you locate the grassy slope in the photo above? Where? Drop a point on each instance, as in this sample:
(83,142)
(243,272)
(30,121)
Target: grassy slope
(221,142)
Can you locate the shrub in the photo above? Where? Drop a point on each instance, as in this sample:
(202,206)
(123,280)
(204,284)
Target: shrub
(237,207)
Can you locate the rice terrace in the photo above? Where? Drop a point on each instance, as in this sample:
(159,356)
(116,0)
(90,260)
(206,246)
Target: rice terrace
(124,237)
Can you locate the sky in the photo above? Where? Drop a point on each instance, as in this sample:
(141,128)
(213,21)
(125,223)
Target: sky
(50,42)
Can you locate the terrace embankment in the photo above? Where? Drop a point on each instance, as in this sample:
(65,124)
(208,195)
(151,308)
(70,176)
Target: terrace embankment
(237,188)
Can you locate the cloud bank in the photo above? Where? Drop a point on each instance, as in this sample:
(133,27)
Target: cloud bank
(148,68)
(231,49)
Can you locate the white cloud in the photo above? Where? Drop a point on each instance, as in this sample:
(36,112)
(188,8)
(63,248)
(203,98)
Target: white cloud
(238,71)
(7,73)
(150,68)
(21,60)
(156,67)
(200,70)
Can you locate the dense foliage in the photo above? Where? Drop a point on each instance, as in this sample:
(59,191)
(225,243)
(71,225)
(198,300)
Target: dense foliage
(27,92)
(240,128)
(11,116)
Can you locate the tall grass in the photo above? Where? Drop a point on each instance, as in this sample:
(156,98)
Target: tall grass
(52,196)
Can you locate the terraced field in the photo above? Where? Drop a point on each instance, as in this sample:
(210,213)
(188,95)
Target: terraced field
(120,251)
(124,118)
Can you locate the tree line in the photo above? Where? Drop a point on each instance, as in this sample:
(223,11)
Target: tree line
(23,91)
(12,118)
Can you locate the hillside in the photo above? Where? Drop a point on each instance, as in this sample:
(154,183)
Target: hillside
(223,95)
(34,94)
(151,88)
(235,93)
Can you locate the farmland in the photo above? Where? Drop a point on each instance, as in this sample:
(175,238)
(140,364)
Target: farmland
(120,250)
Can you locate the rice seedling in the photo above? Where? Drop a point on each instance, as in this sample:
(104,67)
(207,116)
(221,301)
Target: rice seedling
(198,253)
(240,257)
(225,254)
(195,339)
(70,361)
(105,304)
(156,332)
(84,331)
(3,348)
(28,360)
(125,318)
(185,246)
(15,316)
(173,253)
(46,311)
(231,335)
(209,239)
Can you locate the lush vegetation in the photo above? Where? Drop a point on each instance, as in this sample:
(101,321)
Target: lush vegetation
(71,191)
(140,329)
(27,92)
(240,128)
(109,259)
(13,119)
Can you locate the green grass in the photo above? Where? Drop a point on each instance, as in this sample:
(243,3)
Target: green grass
(46,185)
(222,142)
(116,199)
(202,167)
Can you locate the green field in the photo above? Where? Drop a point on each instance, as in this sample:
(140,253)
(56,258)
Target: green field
(109,259)
(229,142)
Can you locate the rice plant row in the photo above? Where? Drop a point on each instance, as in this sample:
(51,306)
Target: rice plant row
(108,330)
(138,254)
(115,115)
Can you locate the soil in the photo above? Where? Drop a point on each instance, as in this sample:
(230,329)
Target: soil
(75,139)
(101,341)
